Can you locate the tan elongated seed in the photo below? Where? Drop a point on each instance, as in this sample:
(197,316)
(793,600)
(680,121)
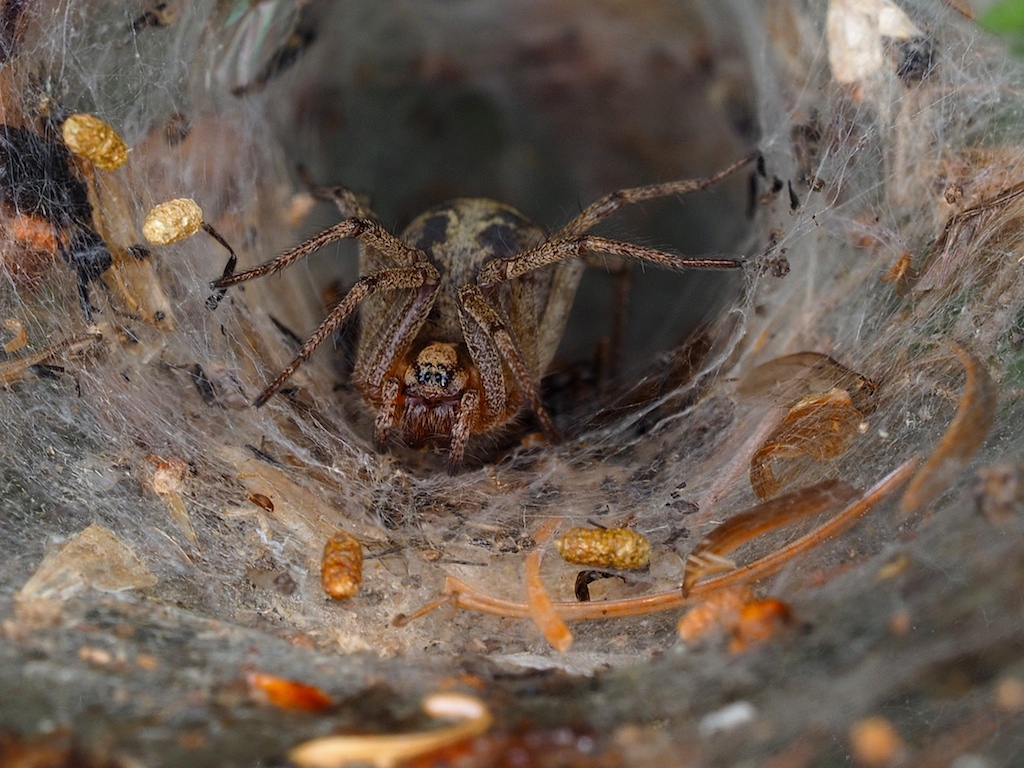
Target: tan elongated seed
(89,137)
(605,548)
(173,221)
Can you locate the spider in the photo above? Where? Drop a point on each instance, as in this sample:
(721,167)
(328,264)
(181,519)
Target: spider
(462,313)
(48,204)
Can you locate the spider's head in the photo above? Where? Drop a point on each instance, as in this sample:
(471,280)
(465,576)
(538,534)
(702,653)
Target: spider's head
(436,374)
(432,385)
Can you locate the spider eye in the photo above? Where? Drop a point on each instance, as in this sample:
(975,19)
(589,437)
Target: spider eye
(433,374)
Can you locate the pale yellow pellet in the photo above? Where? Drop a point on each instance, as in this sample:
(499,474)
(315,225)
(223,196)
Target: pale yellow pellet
(172,221)
(89,137)
(341,569)
(605,548)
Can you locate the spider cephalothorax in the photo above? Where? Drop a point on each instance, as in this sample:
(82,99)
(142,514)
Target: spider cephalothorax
(461,315)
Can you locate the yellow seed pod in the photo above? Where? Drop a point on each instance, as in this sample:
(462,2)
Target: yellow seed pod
(172,221)
(605,548)
(341,569)
(89,137)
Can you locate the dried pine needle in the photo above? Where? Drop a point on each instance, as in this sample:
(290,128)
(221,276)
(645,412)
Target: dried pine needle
(389,750)
(341,568)
(89,137)
(543,614)
(605,548)
(819,427)
(974,417)
(708,556)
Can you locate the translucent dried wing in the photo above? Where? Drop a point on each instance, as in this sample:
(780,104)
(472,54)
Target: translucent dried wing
(173,221)
(133,276)
(819,427)
(19,338)
(169,474)
(970,425)
(605,548)
(791,377)
(89,137)
(857,33)
(707,556)
(96,558)
(341,570)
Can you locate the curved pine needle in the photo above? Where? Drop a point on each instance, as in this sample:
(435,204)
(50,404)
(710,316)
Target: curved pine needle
(776,513)
(538,600)
(971,423)
(385,751)
(469,599)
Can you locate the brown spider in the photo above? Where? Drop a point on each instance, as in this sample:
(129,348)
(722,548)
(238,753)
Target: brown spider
(461,315)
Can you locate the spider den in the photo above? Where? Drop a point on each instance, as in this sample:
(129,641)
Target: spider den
(462,313)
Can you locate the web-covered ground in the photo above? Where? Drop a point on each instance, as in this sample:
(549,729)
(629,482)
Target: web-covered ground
(892,155)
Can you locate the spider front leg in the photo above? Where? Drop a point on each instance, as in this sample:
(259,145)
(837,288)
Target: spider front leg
(610,204)
(413,272)
(367,231)
(420,276)
(475,306)
(469,405)
(559,250)
(571,241)
(347,202)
